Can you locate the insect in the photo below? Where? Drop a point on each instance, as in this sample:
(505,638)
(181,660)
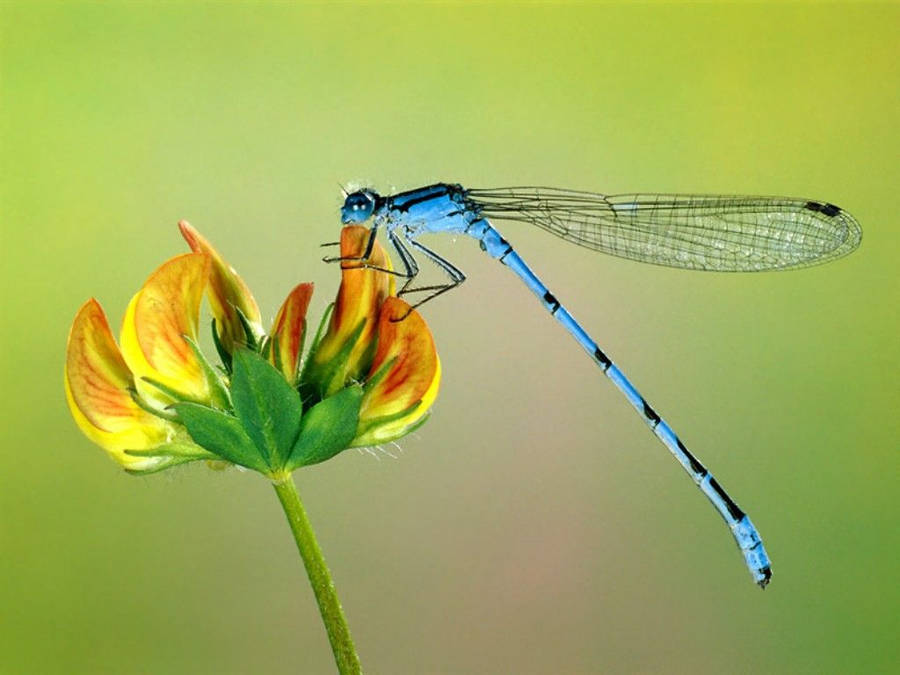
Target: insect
(700,232)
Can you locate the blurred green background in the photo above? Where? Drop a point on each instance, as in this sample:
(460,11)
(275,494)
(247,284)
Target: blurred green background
(533,525)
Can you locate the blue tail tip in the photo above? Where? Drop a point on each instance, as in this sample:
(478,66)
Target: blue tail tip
(764,577)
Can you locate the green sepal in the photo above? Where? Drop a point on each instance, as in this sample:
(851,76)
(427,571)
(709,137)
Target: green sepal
(171,454)
(268,408)
(404,432)
(387,419)
(218,394)
(221,434)
(327,428)
(171,392)
(415,426)
(380,374)
(305,389)
(250,338)
(146,407)
(301,347)
(324,383)
(220,348)
(326,315)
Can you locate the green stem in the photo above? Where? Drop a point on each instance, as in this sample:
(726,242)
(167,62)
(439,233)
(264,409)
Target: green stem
(319,578)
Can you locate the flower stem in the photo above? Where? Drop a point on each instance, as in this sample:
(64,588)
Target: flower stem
(319,578)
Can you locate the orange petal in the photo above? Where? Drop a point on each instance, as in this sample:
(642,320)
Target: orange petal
(359,300)
(413,377)
(227,292)
(158,318)
(97,383)
(287,332)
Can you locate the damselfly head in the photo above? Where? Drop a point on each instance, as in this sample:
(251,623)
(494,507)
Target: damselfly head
(358,207)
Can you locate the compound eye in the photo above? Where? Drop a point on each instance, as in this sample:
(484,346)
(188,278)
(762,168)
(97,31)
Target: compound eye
(358,207)
(358,202)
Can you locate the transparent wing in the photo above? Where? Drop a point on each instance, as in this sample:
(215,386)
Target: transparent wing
(702,232)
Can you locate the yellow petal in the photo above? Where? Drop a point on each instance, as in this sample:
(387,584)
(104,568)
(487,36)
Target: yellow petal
(413,376)
(359,299)
(97,383)
(158,318)
(227,292)
(287,332)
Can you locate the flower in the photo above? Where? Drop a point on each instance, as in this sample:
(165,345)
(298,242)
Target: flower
(376,338)
(235,310)
(118,398)
(158,402)
(98,382)
(288,332)
(403,379)
(346,350)
(158,318)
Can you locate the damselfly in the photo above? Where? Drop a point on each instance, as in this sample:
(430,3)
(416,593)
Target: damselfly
(717,233)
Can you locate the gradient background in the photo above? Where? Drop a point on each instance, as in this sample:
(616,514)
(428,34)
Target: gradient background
(534,525)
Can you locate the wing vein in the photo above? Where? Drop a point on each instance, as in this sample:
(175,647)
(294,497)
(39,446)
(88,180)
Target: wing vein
(705,232)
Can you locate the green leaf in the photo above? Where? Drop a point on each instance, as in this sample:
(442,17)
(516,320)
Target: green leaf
(327,428)
(268,408)
(221,434)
